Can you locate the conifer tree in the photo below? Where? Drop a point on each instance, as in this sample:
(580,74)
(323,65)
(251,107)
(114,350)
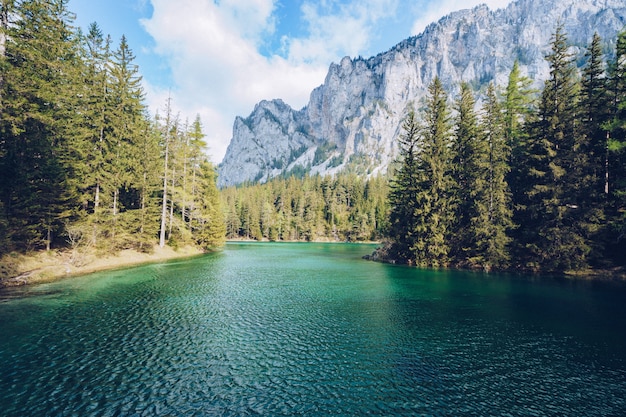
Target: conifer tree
(492,213)
(166,134)
(38,188)
(464,164)
(208,226)
(197,148)
(616,147)
(590,181)
(95,124)
(554,242)
(146,181)
(435,206)
(403,195)
(128,124)
(518,109)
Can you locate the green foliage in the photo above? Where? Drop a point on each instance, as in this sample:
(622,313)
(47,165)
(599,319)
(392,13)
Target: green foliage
(403,196)
(536,187)
(435,183)
(79,157)
(552,236)
(323,152)
(345,208)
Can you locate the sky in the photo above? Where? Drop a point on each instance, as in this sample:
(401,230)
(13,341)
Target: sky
(218,58)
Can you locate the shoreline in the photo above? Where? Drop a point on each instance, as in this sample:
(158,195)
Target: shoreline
(41,267)
(18,270)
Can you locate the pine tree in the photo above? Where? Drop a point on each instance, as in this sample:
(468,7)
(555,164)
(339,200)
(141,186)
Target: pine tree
(435,206)
(403,195)
(553,240)
(123,156)
(208,226)
(616,150)
(492,212)
(590,181)
(38,188)
(465,171)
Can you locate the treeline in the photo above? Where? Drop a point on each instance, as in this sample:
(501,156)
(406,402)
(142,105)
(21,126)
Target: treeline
(342,208)
(533,181)
(82,163)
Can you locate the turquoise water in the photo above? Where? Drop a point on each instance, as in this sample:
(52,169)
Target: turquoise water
(311,329)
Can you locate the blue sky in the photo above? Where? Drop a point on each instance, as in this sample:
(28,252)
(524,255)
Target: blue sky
(218,58)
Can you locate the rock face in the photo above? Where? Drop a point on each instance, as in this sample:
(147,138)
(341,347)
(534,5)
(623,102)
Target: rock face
(353,120)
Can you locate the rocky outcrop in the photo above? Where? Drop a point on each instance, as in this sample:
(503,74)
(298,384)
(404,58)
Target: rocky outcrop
(353,120)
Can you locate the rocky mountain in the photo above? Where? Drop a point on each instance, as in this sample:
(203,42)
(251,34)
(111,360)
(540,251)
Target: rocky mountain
(353,120)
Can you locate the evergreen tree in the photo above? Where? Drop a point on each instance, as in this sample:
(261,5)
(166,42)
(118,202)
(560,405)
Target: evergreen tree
(553,240)
(95,124)
(208,227)
(466,174)
(167,140)
(518,111)
(123,158)
(492,213)
(38,186)
(404,192)
(146,172)
(591,147)
(616,147)
(435,206)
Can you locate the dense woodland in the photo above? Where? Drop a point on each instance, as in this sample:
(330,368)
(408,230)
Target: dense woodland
(532,181)
(82,163)
(344,208)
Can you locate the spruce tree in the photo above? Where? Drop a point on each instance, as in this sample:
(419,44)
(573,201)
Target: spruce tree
(518,110)
(464,164)
(38,187)
(590,182)
(403,195)
(616,151)
(208,226)
(492,212)
(166,137)
(553,239)
(435,205)
(123,152)
(96,125)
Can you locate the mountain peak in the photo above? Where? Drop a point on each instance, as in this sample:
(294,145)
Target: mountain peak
(352,121)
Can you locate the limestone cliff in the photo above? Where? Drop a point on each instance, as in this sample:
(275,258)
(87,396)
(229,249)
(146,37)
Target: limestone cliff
(352,121)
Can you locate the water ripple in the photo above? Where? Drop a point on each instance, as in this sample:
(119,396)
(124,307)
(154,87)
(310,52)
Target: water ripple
(233,335)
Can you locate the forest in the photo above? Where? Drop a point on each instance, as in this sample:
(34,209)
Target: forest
(342,208)
(533,180)
(82,163)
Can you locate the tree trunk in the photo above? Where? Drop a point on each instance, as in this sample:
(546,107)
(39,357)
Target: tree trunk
(164,207)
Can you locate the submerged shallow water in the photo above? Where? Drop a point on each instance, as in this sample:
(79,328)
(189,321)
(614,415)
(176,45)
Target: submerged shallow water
(311,329)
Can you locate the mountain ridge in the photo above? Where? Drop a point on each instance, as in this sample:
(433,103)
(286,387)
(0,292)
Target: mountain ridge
(353,119)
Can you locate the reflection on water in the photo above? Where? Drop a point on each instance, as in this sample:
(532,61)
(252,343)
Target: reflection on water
(311,329)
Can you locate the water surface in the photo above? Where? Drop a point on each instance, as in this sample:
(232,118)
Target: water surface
(311,329)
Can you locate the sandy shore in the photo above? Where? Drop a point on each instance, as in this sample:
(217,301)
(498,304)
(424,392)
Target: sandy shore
(18,269)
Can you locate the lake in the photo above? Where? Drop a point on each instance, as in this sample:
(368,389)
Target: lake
(311,329)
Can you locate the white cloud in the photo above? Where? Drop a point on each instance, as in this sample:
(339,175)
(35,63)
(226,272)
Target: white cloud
(217,71)
(434,10)
(336,29)
(212,50)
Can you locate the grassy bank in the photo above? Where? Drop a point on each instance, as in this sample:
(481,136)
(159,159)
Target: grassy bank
(19,269)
